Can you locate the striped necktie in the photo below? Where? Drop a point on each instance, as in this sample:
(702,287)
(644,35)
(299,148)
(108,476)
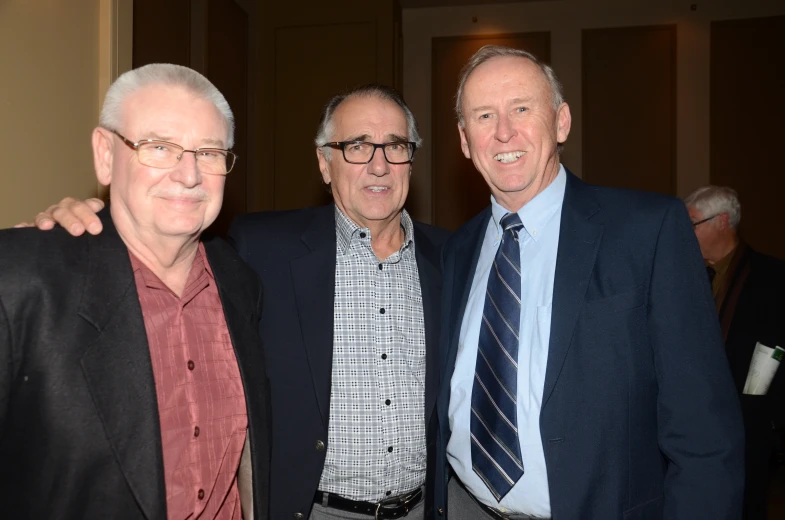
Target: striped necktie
(496,451)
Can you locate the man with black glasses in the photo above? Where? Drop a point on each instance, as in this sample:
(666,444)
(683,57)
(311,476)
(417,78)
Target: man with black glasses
(748,289)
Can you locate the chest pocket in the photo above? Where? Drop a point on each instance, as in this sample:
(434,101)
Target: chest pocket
(614,304)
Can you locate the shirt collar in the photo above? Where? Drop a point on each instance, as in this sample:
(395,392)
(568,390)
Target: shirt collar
(151,280)
(536,214)
(346,231)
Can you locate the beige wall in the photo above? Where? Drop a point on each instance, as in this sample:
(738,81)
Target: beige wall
(49,57)
(565,19)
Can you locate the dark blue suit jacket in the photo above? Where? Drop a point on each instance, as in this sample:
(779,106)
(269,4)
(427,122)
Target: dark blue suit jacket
(293,252)
(639,417)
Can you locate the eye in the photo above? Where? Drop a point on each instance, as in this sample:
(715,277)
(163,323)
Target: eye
(394,146)
(160,147)
(521,109)
(485,116)
(208,154)
(356,147)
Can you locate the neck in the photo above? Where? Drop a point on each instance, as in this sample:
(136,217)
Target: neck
(169,258)
(514,201)
(387,236)
(724,247)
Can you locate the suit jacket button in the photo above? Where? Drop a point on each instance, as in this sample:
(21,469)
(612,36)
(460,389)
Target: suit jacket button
(298,516)
(319,446)
(441,511)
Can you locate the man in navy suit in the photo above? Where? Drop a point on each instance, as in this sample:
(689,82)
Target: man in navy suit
(582,371)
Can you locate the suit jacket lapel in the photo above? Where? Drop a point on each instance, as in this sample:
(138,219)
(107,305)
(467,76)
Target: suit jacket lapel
(465,256)
(118,370)
(428,258)
(313,275)
(579,242)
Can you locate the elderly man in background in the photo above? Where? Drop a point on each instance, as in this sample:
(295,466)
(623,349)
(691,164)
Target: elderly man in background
(749,294)
(583,374)
(132,380)
(350,324)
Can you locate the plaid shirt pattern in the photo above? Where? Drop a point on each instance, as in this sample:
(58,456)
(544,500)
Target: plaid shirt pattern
(376,436)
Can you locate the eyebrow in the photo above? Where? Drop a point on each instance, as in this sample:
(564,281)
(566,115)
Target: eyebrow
(390,138)
(515,101)
(206,143)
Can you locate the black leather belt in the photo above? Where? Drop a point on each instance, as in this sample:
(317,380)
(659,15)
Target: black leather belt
(395,507)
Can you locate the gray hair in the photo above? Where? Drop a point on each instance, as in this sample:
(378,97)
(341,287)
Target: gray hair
(162,74)
(489,52)
(326,128)
(713,200)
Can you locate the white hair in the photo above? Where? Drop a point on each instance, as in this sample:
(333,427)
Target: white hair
(162,74)
(325,132)
(489,52)
(713,200)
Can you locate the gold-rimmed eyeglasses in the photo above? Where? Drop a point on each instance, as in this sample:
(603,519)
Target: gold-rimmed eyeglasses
(163,154)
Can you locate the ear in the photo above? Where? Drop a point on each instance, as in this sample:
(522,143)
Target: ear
(324,165)
(464,142)
(103,155)
(723,221)
(563,123)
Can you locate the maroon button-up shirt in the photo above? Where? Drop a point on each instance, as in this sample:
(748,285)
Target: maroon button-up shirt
(201,402)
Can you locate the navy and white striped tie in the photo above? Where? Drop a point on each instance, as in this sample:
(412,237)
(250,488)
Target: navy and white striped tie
(496,451)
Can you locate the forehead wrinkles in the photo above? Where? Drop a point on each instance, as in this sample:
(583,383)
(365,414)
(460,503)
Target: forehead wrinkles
(369,116)
(505,79)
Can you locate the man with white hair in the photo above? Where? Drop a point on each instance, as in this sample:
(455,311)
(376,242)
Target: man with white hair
(748,289)
(132,380)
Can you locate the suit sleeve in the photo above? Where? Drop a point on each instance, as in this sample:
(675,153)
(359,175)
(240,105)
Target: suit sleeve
(699,419)
(6,367)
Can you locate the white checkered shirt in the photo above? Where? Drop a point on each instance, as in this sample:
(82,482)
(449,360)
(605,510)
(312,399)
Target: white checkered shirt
(376,436)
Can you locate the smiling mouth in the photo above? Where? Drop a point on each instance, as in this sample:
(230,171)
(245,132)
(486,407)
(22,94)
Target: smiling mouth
(378,189)
(508,157)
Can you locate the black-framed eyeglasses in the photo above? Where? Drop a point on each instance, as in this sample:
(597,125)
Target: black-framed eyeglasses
(163,154)
(698,223)
(361,152)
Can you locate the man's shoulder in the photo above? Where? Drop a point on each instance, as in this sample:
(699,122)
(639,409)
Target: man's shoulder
(632,201)
(438,236)
(29,248)
(278,223)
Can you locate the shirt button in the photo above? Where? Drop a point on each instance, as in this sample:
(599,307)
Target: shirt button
(388,493)
(380,267)
(384,356)
(196,431)
(381,311)
(190,365)
(319,446)
(389,449)
(200,495)
(362,235)
(387,402)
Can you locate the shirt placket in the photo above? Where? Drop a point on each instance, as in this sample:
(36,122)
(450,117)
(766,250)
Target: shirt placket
(385,355)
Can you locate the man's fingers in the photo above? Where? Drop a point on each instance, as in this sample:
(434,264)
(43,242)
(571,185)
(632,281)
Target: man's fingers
(85,213)
(24,225)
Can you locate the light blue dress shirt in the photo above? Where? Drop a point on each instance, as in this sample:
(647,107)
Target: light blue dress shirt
(539,243)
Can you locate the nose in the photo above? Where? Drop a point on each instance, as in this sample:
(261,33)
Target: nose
(378,165)
(504,130)
(187,172)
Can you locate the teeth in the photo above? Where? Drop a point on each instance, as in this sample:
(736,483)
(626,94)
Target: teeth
(377,189)
(508,157)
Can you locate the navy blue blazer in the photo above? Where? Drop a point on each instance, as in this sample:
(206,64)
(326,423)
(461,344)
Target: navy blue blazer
(639,419)
(293,252)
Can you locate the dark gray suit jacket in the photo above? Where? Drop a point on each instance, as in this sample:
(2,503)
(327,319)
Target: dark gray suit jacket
(79,429)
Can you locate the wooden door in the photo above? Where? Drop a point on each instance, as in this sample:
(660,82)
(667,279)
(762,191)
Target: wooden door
(629,107)
(747,114)
(210,36)
(459,191)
